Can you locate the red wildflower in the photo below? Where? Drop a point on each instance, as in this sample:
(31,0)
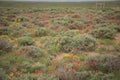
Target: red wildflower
(37,71)
(17,63)
(91,63)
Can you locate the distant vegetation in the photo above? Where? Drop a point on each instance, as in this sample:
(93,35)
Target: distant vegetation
(54,4)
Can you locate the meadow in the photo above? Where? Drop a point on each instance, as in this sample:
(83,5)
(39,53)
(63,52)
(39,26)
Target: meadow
(59,41)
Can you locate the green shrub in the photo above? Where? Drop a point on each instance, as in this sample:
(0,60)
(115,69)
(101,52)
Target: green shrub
(29,76)
(102,76)
(16,31)
(76,25)
(65,40)
(25,41)
(40,32)
(69,33)
(117,47)
(63,74)
(113,26)
(83,75)
(117,27)
(107,41)
(31,51)
(3,75)
(79,42)
(5,46)
(103,32)
(4,30)
(65,44)
(37,67)
(69,42)
(104,63)
(25,67)
(84,42)
(55,47)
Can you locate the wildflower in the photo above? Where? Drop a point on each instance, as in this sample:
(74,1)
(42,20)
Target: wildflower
(66,55)
(91,63)
(17,63)
(11,75)
(37,71)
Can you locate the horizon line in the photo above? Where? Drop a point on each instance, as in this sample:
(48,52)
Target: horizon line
(54,1)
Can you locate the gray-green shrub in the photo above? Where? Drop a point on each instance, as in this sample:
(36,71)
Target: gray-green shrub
(40,32)
(103,32)
(24,41)
(5,46)
(31,51)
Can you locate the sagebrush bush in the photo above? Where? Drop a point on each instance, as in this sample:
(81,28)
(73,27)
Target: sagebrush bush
(76,25)
(103,32)
(69,75)
(29,76)
(16,31)
(40,32)
(83,75)
(31,51)
(3,75)
(69,33)
(63,74)
(5,46)
(102,76)
(117,47)
(104,63)
(24,41)
(113,26)
(4,30)
(71,41)
(65,44)
(84,42)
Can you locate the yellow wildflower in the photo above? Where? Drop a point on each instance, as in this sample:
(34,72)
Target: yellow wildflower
(66,55)
(11,74)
